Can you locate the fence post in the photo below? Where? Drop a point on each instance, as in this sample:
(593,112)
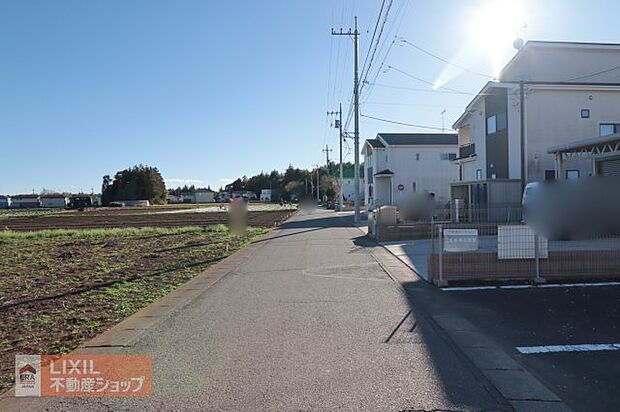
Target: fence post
(432,234)
(441,282)
(537,278)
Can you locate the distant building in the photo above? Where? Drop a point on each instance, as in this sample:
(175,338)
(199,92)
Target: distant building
(223,197)
(348,188)
(204,196)
(5,202)
(399,164)
(25,201)
(81,201)
(175,199)
(270,195)
(54,200)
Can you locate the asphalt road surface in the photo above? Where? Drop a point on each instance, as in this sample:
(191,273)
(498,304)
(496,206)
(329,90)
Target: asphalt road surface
(587,379)
(310,322)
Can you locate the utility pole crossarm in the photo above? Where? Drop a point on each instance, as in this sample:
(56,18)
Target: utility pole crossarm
(326,151)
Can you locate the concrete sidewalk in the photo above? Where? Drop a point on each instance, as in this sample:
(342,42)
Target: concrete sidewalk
(306,319)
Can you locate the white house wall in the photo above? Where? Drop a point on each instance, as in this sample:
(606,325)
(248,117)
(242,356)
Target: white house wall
(554,117)
(564,62)
(429,172)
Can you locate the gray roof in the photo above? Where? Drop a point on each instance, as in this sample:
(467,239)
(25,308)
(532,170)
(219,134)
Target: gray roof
(419,139)
(384,172)
(376,143)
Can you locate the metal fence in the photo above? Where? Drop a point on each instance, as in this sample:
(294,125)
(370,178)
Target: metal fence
(484,251)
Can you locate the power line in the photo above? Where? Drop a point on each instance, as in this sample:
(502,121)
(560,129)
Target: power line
(413,89)
(428,82)
(374,49)
(415,46)
(395,24)
(403,124)
(372,39)
(413,104)
(611,69)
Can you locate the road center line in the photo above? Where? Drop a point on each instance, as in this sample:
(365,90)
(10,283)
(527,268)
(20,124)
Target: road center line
(587,347)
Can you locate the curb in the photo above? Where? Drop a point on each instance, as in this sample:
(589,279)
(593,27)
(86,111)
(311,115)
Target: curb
(518,387)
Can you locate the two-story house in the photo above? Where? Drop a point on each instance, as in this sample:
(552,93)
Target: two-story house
(397,164)
(549,94)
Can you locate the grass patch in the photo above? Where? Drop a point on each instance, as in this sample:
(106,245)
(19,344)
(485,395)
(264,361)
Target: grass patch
(109,232)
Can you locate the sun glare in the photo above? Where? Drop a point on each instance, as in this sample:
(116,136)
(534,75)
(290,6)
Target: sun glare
(495,26)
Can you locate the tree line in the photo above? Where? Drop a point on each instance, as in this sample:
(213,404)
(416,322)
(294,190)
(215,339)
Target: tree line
(135,183)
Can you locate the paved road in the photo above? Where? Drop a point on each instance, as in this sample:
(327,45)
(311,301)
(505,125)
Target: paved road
(310,322)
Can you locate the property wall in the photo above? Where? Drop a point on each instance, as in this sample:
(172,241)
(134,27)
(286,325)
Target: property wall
(422,165)
(554,117)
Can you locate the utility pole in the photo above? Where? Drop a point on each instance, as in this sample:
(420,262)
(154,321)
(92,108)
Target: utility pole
(326,151)
(522,132)
(338,125)
(318,175)
(356,112)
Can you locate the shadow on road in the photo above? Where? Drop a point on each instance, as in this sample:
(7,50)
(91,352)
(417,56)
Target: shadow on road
(458,379)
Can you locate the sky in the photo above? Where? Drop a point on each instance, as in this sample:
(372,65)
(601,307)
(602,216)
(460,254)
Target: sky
(208,91)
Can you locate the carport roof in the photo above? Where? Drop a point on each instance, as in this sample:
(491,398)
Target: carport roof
(595,145)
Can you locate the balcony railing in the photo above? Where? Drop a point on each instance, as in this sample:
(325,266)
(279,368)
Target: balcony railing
(467,150)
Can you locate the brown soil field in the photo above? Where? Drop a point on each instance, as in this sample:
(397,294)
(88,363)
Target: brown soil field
(130,217)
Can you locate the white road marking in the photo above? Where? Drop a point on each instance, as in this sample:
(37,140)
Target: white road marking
(551,285)
(588,347)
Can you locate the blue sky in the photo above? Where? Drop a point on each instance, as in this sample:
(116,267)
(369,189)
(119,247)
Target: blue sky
(211,90)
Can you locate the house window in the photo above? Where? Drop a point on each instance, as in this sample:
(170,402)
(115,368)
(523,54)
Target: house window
(549,174)
(478,174)
(491,124)
(572,174)
(413,187)
(605,129)
(585,113)
(417,156)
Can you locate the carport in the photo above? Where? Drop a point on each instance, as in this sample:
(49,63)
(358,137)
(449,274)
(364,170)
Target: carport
(603,150)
